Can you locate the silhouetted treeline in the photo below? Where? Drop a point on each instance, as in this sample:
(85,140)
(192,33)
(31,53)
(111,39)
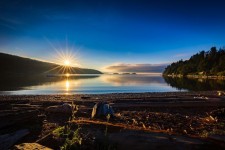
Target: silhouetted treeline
(11,65)
(210,62)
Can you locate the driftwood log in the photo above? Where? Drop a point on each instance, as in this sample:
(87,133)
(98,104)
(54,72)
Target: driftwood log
(8,140)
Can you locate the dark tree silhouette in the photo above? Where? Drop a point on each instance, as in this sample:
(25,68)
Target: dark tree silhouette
(211,62)
(14,65)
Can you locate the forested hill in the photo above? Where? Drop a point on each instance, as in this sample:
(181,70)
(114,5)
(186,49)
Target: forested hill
(13,65)
(208,63)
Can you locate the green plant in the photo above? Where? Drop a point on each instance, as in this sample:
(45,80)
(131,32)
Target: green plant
(58,132)
(73,142)
(71,138)
(74,111)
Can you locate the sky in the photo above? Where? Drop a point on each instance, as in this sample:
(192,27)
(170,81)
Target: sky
(112,35)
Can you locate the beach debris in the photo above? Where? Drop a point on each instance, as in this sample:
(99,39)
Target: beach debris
(64,108)
(31,146)
(201,97)
(85,97)
(134,122)
(118,115)
(185,131)
(8,140)
(210,119)
(219,113)
(221,93)
(143,125)
(101,109)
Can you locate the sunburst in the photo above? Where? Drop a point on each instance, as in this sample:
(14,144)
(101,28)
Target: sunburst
(67,60)
(67,63)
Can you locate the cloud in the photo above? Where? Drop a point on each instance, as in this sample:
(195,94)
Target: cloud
(142,68)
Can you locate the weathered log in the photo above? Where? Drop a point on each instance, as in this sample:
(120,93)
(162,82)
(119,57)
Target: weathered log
(8,140)
(18,117)
(30,146)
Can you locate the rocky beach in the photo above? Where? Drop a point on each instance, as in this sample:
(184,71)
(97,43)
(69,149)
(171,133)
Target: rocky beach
(178,120)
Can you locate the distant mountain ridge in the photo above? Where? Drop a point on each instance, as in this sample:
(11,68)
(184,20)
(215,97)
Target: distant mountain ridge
(11,64)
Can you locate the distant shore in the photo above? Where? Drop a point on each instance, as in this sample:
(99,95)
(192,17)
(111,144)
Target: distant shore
(196,76)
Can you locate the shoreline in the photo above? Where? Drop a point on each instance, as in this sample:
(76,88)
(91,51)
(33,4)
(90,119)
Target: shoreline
(214,77)
(125,93)
(168,114)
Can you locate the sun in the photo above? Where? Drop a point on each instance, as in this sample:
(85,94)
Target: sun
(66,62)
(66,59)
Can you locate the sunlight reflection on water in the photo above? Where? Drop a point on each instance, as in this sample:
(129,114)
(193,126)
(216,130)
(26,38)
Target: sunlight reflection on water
(95,84)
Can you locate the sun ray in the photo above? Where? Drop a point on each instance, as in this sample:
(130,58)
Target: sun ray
(52,69)
(67,57)
(60,69)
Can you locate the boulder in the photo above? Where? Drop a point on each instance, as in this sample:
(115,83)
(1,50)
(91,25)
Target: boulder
(65,108)
(30,146)
(102,109)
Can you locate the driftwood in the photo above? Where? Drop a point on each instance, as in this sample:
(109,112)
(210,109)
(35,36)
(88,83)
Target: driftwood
(30,146)
(8,140)
(15,117)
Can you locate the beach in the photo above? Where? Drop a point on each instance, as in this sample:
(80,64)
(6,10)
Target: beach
(185,114)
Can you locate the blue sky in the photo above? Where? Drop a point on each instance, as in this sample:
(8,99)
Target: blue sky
(108,33)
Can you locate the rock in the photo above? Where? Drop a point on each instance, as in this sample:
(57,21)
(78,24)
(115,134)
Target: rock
(102,109)
(65,108)
(7,140)
(30,146)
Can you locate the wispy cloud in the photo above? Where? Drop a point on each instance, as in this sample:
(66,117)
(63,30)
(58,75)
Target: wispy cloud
(9,23)
(143,68)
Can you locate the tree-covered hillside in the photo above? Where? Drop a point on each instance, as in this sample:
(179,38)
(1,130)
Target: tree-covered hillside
(15,65)
(210,62)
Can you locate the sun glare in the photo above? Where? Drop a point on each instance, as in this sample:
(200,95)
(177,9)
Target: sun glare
(67,74)
(67,85)
(66,62)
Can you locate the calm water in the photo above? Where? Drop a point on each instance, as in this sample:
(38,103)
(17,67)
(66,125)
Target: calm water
(91,84)
(95,84)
